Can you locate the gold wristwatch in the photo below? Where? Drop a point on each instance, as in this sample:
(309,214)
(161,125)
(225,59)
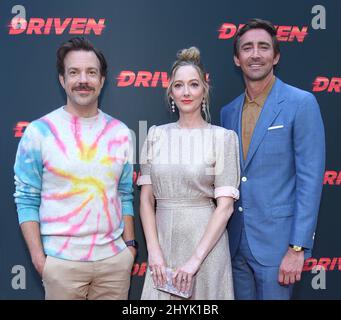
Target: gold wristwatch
(296,248)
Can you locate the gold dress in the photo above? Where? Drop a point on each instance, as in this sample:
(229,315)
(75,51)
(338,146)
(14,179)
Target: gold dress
(188,169)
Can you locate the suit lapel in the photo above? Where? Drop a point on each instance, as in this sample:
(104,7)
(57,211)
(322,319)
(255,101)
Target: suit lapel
(238,130)
(235,123)
(268,114)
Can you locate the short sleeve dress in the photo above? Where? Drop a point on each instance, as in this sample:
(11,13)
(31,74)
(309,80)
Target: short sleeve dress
(188,169)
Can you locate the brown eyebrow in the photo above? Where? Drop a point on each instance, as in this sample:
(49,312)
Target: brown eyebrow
(75,68)
(264,43)
(247,44)
(188,81)
(258,43)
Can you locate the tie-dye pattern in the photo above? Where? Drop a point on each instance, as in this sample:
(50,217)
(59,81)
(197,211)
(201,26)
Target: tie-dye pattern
(74,176)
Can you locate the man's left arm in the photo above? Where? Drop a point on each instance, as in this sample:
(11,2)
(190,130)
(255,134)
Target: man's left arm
(125,188)
(309,149)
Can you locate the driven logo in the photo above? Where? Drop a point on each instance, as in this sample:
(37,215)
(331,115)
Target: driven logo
(20,128)
(136,175)
(332,178)
(58,26)
(324,84)
(143,79)
(284,33)
(328,264)
(139,269)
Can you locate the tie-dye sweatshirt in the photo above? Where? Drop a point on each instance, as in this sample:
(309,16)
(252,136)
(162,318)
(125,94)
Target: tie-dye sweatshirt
(74,176)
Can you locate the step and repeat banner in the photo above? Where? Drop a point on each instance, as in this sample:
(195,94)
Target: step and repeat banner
(140,39)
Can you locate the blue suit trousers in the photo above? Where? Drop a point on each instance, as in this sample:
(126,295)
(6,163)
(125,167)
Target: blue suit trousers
(253,281)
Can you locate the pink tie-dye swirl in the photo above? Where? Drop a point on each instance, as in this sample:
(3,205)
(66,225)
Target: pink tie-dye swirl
(82,161)
(56,135)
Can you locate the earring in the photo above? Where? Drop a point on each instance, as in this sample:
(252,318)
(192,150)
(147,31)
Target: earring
(203,105)
(173,106)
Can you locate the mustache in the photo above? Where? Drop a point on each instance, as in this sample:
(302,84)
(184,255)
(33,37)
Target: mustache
(83,87)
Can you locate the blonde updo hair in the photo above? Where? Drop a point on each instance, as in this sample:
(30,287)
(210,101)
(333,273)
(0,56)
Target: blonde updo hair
(191,57)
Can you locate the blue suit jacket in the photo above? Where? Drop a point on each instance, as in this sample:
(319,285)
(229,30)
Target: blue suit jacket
(283,174)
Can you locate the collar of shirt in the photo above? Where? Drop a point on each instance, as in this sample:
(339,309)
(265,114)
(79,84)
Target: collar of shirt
(260,99)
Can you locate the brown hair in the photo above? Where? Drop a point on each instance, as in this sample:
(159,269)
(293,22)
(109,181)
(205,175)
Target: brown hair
(78,44)
(256,24)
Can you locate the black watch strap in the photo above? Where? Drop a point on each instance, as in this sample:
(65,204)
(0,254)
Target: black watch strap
(132,243)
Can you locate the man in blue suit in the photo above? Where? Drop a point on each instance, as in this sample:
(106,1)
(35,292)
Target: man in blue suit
(282,148)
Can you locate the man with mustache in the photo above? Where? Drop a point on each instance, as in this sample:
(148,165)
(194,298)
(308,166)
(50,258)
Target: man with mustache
(281,137)
(73,176)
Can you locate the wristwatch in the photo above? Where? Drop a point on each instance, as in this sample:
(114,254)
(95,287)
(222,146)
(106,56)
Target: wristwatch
(296,248)
(132,243)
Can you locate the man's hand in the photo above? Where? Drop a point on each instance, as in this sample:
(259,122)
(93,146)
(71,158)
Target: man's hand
(133,251)
(39,263)
(31,233)
(291,267)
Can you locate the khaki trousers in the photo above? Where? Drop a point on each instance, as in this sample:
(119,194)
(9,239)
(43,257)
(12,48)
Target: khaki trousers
(107,279)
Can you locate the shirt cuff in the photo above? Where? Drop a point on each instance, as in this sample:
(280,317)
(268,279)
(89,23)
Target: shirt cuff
(127,208)
(28,215)
(145,179)
(226,192)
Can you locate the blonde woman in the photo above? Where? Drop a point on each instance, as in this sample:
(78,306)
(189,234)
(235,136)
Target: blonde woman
(189,178)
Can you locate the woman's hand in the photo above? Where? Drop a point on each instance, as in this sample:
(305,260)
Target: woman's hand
(183,277)
(157,266)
